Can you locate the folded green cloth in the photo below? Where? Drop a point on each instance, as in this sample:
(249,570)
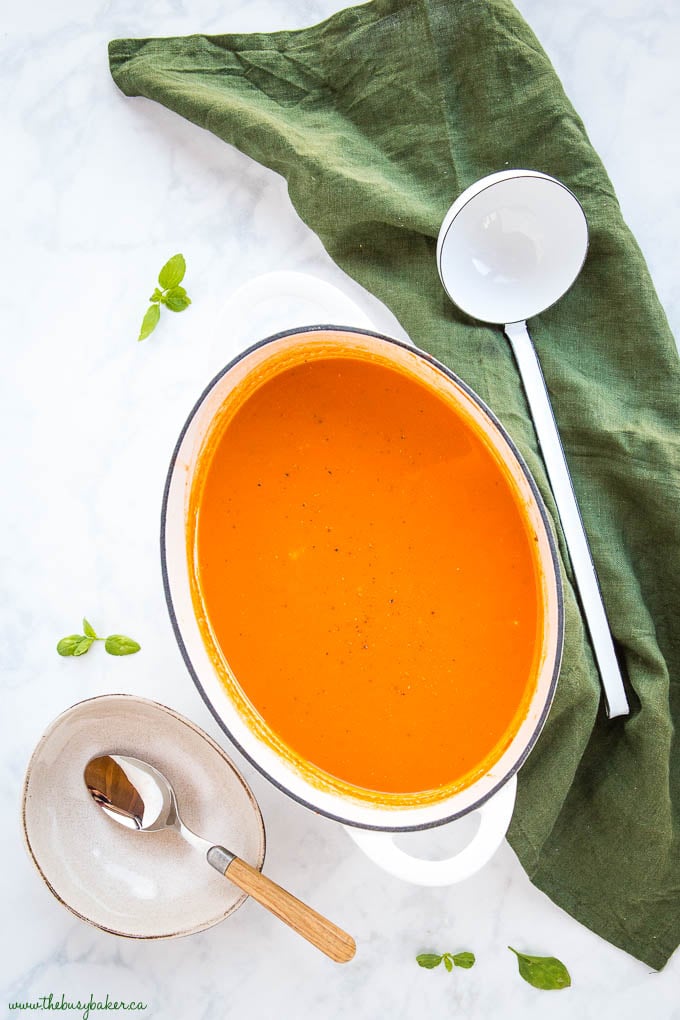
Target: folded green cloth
(378,119)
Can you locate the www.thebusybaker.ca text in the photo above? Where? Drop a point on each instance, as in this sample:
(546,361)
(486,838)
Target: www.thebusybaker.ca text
(84,1007)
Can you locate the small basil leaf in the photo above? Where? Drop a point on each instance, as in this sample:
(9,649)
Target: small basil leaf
(544,972)
(172,272)
(156,296)
(88,629)
(448,963)
(149,322)
(68,645)
(465,960)
(177,299)
(428,960)
(83,646)
(119,644)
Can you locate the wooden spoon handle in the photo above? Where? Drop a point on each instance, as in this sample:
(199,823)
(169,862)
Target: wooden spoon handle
(318,930)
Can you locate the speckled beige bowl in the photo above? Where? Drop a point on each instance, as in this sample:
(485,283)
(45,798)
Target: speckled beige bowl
(146,885)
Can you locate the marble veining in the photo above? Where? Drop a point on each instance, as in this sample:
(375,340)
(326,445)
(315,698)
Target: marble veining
(97,190)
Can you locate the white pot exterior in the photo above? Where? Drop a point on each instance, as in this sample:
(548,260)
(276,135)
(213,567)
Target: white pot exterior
(176,575)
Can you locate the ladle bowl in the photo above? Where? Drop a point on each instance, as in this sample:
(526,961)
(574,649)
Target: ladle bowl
(511,246)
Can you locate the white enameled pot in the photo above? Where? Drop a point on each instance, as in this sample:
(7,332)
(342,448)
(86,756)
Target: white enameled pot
(371,824)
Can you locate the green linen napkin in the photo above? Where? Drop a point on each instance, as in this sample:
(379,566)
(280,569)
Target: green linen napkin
(379,118)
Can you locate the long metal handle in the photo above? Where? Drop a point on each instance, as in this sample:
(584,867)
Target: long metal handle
(570,516)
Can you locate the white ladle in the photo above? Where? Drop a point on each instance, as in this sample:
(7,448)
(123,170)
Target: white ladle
(509,247)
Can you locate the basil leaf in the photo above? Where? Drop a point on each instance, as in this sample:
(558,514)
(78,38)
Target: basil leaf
(448,963)
(88,629)
(428,960)
(465,960)
(83,646)
(176,299)
(68,645)
(119,644)
(544,972)
(156,296)
(172,272)
(149,322)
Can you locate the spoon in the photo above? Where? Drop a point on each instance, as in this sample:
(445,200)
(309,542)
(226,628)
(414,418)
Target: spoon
(509,247)
(139,797)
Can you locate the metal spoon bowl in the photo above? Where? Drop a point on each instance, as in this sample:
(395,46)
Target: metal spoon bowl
(137,796)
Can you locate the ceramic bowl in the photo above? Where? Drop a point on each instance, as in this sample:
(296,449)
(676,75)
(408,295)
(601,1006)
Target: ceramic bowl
(144,885)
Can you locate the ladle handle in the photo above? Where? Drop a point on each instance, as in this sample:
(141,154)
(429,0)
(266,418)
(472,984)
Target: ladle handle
(570,516)
(318,930)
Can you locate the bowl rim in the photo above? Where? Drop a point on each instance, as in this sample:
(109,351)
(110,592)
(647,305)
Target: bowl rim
(552,546)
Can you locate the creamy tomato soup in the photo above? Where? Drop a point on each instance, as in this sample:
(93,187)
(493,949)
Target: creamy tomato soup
(365,571)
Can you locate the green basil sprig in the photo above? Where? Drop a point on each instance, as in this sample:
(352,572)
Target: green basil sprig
(544,972)
(450,960)
(78,644)
(169,293)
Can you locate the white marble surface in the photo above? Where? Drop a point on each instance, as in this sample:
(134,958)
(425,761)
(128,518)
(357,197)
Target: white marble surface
(97,190)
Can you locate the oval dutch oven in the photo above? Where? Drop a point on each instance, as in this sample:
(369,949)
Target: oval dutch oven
(372,823)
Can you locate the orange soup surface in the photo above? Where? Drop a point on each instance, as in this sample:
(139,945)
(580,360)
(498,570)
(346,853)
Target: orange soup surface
(368,576)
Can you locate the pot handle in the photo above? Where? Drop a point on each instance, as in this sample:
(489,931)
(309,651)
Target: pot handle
(495,815)
(290,298)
